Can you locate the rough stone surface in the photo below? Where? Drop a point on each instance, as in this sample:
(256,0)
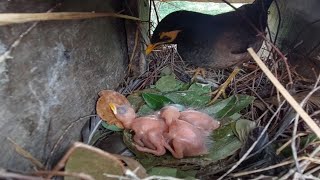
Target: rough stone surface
(54,75)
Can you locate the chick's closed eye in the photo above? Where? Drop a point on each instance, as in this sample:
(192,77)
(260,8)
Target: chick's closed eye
(122,110)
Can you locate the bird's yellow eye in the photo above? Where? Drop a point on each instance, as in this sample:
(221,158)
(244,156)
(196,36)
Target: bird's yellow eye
(170,36)
(165,37)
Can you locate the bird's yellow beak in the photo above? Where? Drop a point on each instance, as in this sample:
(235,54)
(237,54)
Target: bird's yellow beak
(150,48)
(171,35)
(113,108)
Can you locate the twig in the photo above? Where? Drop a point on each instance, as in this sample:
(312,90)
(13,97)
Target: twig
(149,18)
(293,143)
(94,131)
(317,168)
(26,154)
(48,161)
(64,173)
(287,143)
(14,18)
(268,107)
(9,175)
(294,132)
(317,161)
(244,157)
(130,175)
(134,50)
(156,11)
(251,155)
(317,82)
(7,55)
(313,126)
(262,169)
(305,163)
(309,176)
(266,39)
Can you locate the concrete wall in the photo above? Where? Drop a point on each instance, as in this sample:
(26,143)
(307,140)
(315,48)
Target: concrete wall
(298,35)
(55,74)
(296,26)
(296,15)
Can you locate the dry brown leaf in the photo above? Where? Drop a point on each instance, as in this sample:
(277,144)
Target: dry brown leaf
(103,109)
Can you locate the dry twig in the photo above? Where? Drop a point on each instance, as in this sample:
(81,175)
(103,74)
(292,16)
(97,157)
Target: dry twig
(313,126)
(14,18)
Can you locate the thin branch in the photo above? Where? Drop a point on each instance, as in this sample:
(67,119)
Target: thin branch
(317,161)
(294,132)
(7,55)
(48,161)
(313,126)
(244,157)
(266,39)
(24,153)
(82,176)
(14,18)
(8,175)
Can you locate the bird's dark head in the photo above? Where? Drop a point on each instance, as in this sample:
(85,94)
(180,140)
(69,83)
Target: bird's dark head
(168,30)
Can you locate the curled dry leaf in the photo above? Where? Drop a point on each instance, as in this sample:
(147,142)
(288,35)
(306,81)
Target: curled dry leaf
(103,109)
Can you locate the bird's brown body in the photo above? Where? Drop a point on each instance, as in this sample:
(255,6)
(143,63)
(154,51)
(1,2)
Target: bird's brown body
(218,41)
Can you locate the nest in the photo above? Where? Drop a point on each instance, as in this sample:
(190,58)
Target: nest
(294,151)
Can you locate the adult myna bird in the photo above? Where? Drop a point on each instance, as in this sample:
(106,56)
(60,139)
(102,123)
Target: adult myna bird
(219,41)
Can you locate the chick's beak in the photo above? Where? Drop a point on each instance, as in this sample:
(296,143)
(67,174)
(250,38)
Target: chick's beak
(113,108)
(149,49)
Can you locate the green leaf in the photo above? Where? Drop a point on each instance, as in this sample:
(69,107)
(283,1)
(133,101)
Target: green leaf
(242,129)
(190,174)
(225,143)
(110,127)
(168,83)
(163,171)
(145,110)
(218,106)
(196,96)
(235,116)
(229,107)
(235,104)
(136,99)
(155,101)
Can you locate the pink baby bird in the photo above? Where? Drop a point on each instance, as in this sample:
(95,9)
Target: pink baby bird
(198,119)
(189,131)
(184,139)
(149,130)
